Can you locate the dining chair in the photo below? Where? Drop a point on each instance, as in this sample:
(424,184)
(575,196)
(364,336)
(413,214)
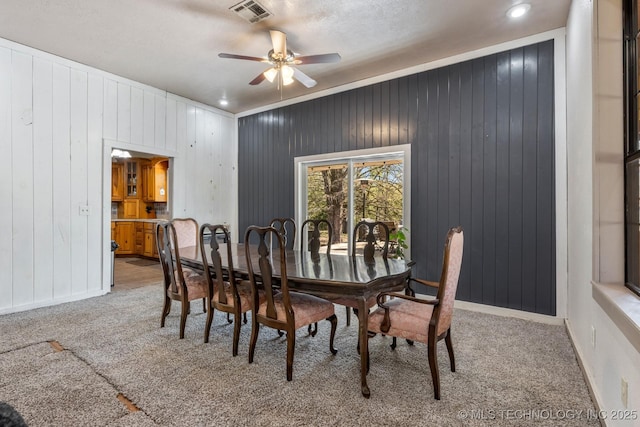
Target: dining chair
(179,284)
(313,236)
(313,245)
(187,235)
(281,309)
(425,320)
(375,234)
(287,229)
(232,295)
(186,232)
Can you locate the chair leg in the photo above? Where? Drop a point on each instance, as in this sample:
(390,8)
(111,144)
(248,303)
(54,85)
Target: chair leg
(348,316)
(236,334)
(229,318)
(244,317)
(166,309)
(204,305)
(452,359)
(313,330)
(334,324)
(255,328)
(183,317)
(394,342)
(207,328)
(291,345)
(433,364)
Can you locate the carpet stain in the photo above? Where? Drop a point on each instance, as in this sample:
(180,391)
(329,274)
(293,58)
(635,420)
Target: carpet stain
(56,346)
(127,403)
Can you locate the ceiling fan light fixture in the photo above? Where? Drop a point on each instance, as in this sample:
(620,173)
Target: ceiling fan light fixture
(287,75)
(518,10)
(270,74)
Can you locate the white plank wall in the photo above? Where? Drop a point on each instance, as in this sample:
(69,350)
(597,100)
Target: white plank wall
(95,247)
(61,181)
(42,173)
(6,180)
(22,166)
(57,120)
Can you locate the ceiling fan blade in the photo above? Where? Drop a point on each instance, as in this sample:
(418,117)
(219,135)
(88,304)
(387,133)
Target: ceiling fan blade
(279,41)
(259,79)
(317,59)
(248,58)
(303,78)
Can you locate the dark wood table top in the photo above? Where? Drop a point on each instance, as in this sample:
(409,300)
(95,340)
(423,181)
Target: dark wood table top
(325,275)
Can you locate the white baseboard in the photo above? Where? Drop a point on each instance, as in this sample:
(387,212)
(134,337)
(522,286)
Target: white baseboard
(56,301)
(586,372)
(508,312)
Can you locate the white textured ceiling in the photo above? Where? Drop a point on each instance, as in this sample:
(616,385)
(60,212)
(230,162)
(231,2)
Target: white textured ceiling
(173,44)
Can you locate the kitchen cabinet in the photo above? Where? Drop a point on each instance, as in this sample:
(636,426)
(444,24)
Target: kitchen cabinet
(132,170)
(154,176)
(125,237)
(150,249)
(130,209)
(139,237)
(135,238)
(117,182)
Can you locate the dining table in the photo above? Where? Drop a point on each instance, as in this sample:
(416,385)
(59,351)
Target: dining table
(330,276)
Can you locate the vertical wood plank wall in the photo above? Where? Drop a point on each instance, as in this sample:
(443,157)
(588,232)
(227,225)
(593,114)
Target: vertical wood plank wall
(54,116)
(482,137)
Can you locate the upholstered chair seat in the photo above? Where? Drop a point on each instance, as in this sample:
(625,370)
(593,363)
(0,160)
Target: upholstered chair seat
(307,308)
(196,286)
(407,321)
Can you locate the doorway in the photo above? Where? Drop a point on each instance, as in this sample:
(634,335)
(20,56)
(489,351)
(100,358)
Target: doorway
(130,211)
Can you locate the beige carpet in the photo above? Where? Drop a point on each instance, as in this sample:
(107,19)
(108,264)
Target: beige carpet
(509,372)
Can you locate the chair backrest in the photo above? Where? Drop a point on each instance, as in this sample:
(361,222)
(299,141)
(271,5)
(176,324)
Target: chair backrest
(216,259)
(381,241)
(451,264)
(186,230)
(267,236)
(313,239)
(169,257)
(287,229)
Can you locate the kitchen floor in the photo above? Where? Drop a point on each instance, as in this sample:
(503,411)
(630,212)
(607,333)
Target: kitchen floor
(136,272)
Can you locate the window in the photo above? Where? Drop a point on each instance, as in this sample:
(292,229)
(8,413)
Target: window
(632,144)
(345,188)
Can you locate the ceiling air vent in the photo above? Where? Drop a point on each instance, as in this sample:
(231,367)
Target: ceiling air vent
(251,11)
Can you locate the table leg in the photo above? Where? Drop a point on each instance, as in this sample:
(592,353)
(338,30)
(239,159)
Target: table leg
(363,324)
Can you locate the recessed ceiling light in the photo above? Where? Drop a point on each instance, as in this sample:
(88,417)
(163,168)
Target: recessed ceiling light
(224,102)
(518,10)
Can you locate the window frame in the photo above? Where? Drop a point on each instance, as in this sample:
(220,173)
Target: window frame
(350,157)
(631,118)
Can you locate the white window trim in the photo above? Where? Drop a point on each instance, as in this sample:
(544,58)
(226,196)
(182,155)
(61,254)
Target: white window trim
(300,163)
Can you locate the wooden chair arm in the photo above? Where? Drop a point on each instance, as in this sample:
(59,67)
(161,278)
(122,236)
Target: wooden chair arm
(425,282)
(381,301)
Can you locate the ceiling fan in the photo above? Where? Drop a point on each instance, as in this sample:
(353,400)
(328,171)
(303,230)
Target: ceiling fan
(282,61)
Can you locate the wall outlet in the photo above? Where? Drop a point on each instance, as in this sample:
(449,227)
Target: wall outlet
(84,210)
(593,336)
(624,392)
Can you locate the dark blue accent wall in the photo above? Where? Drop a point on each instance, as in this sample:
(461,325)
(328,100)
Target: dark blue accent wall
(482,156)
